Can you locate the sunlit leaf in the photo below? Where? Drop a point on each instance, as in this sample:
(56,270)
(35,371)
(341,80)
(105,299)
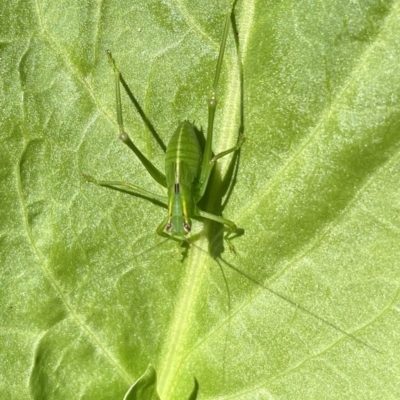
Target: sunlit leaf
(90,295)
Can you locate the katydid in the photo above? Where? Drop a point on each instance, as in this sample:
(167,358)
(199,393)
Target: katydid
(187,171)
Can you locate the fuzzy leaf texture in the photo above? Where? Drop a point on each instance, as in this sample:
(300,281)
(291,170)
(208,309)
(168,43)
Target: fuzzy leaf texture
(90,296)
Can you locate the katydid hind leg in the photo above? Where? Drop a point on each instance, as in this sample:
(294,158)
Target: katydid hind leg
(157,175)
(212,106)
(208,159)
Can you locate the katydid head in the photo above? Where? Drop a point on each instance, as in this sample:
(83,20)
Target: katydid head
(178,223)
(178,226)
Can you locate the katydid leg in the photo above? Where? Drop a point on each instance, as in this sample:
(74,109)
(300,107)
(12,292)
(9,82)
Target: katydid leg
(231,226)
(212,106)
(212,162)
(134,189)
(153,171)
(208,159)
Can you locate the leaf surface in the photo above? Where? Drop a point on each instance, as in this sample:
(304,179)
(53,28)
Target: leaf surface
(90,296)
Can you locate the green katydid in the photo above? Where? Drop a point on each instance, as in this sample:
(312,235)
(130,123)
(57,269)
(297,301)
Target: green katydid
(187,171)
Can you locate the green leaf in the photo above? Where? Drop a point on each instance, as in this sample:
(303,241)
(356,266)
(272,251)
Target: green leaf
(145,387)
(90,296)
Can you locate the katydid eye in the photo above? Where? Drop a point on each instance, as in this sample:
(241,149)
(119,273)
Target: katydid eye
(168,228)
(186,227)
